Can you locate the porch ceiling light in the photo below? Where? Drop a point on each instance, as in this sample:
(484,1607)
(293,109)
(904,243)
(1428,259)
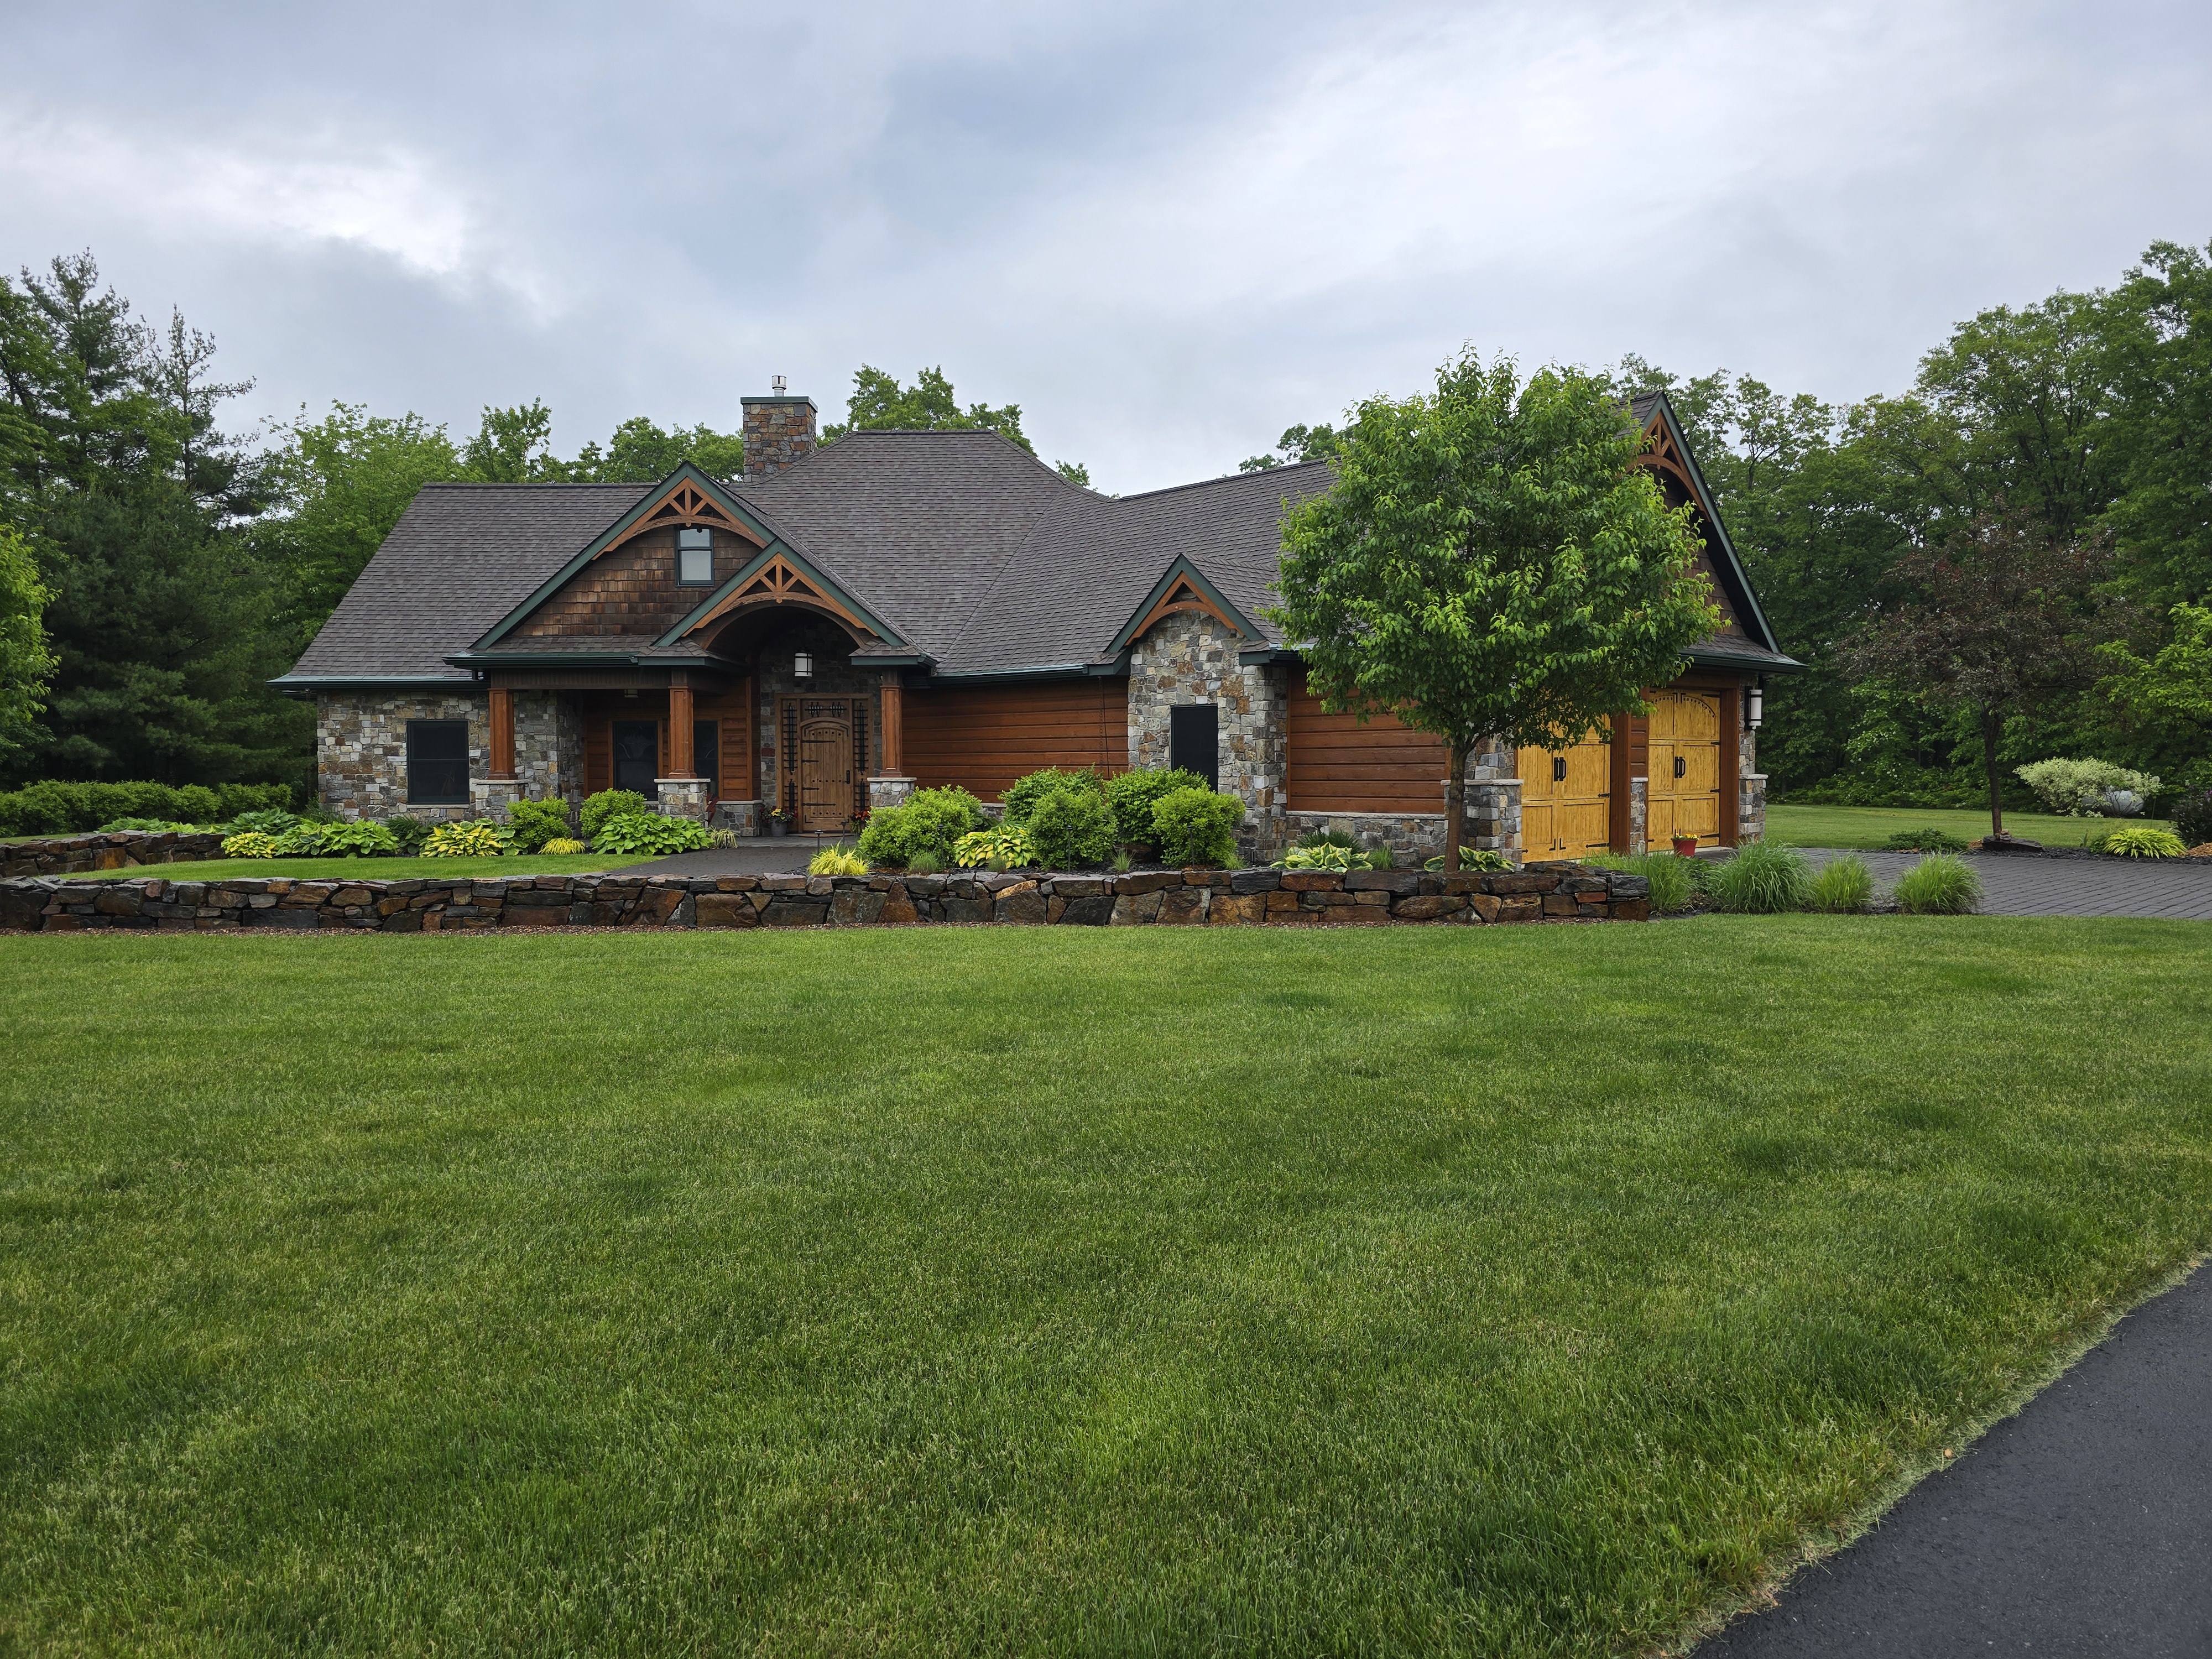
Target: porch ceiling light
(802,666)
(1754,707)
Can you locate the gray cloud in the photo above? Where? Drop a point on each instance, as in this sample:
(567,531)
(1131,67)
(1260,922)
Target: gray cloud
(1167,231)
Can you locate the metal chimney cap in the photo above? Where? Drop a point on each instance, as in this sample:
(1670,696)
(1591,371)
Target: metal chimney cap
(777,382)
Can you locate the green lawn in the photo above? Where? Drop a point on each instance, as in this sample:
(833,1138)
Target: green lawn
(1869,826)
(1526,1291)
(367,869)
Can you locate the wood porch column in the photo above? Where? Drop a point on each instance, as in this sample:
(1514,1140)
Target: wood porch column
(679,730)
(502,735)
(893,723)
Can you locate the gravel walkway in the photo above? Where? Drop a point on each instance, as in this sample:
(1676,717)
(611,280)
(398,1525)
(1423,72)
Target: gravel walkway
(2016,886)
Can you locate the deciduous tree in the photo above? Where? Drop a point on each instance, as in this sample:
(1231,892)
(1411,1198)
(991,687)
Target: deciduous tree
(1491,563)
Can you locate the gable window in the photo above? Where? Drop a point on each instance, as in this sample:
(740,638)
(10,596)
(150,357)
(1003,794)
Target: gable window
(695,558)
(437,762)
(1195,740)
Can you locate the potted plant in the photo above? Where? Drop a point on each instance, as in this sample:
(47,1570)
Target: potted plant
(779,823)
(1685,847)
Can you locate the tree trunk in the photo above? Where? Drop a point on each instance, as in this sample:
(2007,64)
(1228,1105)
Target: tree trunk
(1456,806)
(1992,728)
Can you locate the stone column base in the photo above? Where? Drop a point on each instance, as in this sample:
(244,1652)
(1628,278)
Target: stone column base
(742,815)
(892,789)
(494,799)
(681,797)
(1751,809)
(1639,812)
(1493,811)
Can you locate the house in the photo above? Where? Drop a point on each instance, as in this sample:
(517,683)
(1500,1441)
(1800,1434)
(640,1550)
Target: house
(899,609)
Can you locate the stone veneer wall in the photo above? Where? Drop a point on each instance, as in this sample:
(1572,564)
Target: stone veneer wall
(361,748)
(1751,791)
(1187,657)
(1561,892)
(119,849)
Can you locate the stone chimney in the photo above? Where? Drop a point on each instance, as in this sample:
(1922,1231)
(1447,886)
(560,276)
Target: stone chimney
(779,430)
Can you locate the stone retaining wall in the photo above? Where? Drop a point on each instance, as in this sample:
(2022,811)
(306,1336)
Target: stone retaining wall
(121,850)
(1560,892)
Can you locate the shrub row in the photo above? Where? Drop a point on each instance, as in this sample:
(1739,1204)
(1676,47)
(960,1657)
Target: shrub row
(54,808)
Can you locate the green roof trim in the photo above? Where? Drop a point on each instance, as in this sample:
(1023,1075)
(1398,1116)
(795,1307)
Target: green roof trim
(1732,567)
(687,473)
(1182,569)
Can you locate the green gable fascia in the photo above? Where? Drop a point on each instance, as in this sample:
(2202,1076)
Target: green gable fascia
(706,483)
(778,548)
(1182,567)
(1727,548)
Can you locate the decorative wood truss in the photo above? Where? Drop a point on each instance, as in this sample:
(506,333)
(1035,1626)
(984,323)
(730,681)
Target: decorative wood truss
(780,582)
(1184,594)
(1664,454)
(684,506)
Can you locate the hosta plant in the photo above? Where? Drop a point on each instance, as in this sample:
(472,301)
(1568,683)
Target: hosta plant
(1475,858)
(365,839)
(251,844)
(475,838)
(1003,846)
(648,834)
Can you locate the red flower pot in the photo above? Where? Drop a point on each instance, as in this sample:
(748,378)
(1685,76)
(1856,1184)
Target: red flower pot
(1685,847)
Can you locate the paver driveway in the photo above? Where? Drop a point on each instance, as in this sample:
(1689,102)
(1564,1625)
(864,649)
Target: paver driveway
(2016,886)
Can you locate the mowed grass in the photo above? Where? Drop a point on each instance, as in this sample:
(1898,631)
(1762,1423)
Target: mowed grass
(393,869)
(1450,1290)
(1867,827)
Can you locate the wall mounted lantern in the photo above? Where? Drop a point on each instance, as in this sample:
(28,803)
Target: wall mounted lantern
(802,666)
(1754,706)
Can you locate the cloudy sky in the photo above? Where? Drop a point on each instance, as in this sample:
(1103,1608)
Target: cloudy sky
(1166,230)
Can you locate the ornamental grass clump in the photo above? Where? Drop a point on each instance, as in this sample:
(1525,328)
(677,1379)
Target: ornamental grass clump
(1941,884)
(1763,879)
(563,847)
(2143,841)
(1673,889)
(836,861)
(1842,886)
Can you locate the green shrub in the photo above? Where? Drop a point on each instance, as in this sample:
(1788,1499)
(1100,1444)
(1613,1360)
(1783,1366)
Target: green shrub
(1132,796)
(363,840)
(2143,841)
(142,826)
(1763,879)
(836,861)
(249,844)
(606,804)
(2077,788)
(648,834)
(56,808)
(931,819)
(563,847)
(1003,846)
(537,822)
(474,838)
(409,832)
(1070,828)
(1021,797)
(1673,880)
(1924,841)
(1842,886)
(1941,884)
(1196,827)
(2192,818)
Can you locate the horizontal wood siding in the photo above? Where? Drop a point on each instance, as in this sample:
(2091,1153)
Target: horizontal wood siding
(1338,765)
(983,737)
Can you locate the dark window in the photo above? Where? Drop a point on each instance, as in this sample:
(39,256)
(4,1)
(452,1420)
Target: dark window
(695,558)
(707,755)
(1195,740)
(437,762)
(637,756)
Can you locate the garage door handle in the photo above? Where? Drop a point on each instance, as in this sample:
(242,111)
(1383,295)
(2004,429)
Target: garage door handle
(1682,765)
(1558,769)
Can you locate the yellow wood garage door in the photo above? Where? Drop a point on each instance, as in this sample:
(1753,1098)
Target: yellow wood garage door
(1686,768)
(1566,799)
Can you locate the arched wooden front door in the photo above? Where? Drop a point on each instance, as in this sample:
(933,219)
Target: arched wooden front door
(821,746)
(1686,768)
